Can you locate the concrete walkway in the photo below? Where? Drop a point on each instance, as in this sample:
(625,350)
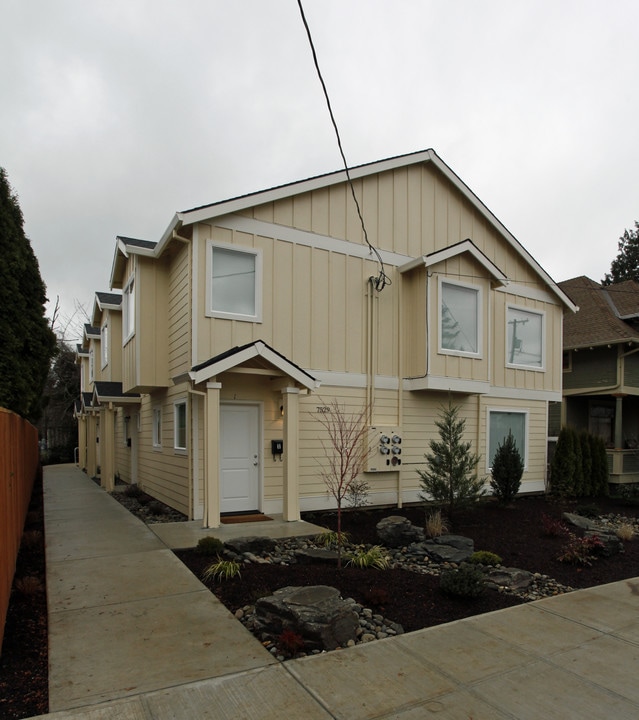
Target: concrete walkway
(133,635)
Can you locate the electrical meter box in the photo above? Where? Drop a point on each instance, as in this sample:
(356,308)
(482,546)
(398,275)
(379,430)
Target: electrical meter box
(385,443)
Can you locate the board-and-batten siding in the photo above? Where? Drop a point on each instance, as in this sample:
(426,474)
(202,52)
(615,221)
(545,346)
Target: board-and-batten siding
(179,313)
(314,307)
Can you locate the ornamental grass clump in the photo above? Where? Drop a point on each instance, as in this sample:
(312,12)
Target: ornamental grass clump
(332,539)
(435,524)
(625,531)
(222,570)
(372,557)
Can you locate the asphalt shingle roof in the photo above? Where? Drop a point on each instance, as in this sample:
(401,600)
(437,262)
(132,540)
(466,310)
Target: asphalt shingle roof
(598,321)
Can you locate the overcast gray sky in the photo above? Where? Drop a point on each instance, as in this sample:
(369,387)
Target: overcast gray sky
(115,114)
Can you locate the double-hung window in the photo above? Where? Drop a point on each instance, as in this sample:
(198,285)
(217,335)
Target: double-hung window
(525,338)
(234,282)
(179,425)
(460,318)
(500,423)
(91,366)
(128,309)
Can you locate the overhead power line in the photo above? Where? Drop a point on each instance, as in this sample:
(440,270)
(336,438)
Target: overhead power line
(382,279)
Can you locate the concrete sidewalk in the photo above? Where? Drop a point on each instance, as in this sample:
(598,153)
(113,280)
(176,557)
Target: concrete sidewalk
(133,634)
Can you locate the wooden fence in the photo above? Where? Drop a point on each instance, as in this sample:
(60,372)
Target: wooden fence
(19,462)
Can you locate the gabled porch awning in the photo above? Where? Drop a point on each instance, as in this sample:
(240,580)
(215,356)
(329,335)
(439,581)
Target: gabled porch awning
(258,355)
(111,392)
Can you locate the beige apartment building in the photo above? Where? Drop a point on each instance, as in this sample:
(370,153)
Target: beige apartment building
(207,367)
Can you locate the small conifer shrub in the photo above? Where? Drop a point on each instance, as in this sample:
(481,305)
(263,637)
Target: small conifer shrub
(466,581)
(485,557)
(508,467)
(209,545)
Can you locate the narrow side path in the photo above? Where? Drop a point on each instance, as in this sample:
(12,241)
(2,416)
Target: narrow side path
(125,616)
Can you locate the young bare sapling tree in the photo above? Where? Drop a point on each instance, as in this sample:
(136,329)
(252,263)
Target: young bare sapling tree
(345,451)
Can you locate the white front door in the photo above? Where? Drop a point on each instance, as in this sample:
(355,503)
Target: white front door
(239,458)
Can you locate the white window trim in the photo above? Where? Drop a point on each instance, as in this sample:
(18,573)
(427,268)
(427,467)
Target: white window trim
(178,448)
(127,294)
(514,411)
(91,365)
(480,318)
(520,366)
(104,344)
(156,431)
(257,252)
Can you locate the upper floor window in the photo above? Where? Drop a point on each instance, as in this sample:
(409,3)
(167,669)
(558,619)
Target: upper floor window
(459,318)
(104,344)
(128,309)
(525,338)
(500,423)
(234,282)
(179,425)
(91,366)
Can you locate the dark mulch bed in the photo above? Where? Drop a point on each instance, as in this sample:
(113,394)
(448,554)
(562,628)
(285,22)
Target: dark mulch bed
(24,689)
(414,601)
(516,534)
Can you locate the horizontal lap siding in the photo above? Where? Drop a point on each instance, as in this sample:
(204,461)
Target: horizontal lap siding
(162,471)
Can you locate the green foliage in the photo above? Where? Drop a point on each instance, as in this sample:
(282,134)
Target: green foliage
(588,511)
(155,507)
(222,570)
(626,265)
(27,343)
(450,477)
(508,467)
(209,545)
(484,557)
(579,466)
(466,581)
(332,539)
(372,557)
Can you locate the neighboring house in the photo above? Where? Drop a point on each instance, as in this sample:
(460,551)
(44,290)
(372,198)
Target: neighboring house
(601,369)
(249,317)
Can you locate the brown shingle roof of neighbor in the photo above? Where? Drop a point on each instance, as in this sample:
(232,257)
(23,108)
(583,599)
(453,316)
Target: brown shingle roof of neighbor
(598,321)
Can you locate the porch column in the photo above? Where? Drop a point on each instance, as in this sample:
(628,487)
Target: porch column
(619,422)
(211,517)
(92,464)
(291,489)
(82,442)
(107,449)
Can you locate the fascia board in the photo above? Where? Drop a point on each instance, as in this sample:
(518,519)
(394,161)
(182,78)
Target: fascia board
(257,349)
(208,212)
(466,246)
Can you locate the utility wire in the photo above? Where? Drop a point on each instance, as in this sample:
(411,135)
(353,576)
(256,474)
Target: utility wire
(382,279)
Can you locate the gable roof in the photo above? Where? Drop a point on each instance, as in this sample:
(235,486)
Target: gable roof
(112,392)
(465,246)
(242,202)
(246,353)
(607,314)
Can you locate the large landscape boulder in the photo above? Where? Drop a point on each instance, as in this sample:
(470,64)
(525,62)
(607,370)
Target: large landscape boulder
(251,544)
(318,613)
(450,548)
(397,531)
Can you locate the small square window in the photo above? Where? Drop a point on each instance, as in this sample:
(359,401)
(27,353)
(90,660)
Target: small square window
(234,282)
(179,425)
(525,338)
(460,319)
